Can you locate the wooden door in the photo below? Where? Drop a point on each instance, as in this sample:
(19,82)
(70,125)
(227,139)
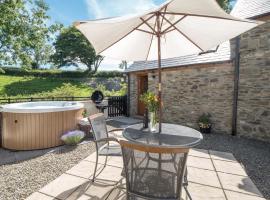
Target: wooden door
(142,88)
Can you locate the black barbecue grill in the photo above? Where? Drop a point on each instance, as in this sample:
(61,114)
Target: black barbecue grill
(97,98)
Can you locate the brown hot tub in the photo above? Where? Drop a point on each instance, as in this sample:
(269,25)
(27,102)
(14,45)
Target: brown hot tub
(38,125)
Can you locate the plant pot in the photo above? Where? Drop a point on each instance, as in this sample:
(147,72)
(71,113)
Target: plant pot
(205,130)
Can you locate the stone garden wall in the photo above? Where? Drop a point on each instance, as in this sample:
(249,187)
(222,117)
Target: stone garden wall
(189,91)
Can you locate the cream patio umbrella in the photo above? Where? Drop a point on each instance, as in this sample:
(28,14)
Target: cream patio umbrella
(175,28)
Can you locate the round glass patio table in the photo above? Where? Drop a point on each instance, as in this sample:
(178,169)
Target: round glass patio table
(172,135)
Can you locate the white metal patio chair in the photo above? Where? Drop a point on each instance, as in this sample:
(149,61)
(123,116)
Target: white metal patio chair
(106,142)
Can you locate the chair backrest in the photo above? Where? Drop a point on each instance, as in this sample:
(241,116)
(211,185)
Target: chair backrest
(99,128)
(154,172)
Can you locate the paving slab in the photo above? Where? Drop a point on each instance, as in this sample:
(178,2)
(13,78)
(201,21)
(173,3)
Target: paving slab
(202,192)
(63,186)
(236,195)
(199,153)
(229,167)
(83,169)
(98,190)
(203,177)
(39,196)
(238,183)
(101,159)
(219,155)
(199,162)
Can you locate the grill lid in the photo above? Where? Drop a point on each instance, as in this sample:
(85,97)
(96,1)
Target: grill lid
(97,96)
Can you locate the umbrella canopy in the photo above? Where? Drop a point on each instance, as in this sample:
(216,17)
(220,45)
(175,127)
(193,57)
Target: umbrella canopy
(186,27)
(175,28)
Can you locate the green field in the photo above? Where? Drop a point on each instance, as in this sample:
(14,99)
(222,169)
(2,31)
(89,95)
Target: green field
(15,86)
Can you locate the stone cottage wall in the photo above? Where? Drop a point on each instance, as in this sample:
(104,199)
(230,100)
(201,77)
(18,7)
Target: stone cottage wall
(191,91)
(254,83)
(133,98)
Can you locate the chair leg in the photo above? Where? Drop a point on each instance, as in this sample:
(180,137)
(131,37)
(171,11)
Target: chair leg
(106,159)
(188,194)
(94,175)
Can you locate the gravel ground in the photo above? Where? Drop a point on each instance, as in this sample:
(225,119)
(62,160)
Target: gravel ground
(253,154)
(19,180)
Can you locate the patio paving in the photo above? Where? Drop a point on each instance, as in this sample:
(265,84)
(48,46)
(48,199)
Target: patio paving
(212,175)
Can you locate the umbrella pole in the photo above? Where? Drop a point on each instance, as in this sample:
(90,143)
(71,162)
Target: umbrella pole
(159,72)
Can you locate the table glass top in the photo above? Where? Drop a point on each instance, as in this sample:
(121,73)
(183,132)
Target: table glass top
(172,135)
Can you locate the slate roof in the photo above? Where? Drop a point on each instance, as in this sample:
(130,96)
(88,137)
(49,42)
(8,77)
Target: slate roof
(222,54)
(251,8)
(242,9)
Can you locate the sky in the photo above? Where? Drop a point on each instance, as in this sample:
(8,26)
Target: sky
(68,11)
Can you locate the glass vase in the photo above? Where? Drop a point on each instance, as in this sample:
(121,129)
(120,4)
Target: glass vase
(152,122)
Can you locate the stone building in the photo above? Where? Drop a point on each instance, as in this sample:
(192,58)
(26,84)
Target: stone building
(231,83)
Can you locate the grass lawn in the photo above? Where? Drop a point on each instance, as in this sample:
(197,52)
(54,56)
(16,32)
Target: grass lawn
(15,86)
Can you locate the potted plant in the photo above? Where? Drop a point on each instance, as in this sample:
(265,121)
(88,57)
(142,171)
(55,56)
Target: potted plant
(205,123)
(151,102)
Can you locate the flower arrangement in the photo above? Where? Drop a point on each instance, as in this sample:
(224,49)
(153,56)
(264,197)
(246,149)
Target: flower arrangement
(151,101)
(73,137)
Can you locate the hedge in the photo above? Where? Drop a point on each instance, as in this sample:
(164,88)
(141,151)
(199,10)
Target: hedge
(12,71)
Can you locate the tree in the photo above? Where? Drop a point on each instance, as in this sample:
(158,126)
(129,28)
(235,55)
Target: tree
(123,64)
(72,48)
(25,35)
(41,34)
(225,4)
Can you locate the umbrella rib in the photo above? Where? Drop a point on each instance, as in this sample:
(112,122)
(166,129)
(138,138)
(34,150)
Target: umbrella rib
(127,34)
(207,16)
(138,29)
(145,21)
(182,33)
(168,31)
(151,41)
(165,9)
(164,31)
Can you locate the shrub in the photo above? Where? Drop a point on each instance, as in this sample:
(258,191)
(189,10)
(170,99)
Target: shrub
(66,90)
(55,73)
(2,71)
(72,137)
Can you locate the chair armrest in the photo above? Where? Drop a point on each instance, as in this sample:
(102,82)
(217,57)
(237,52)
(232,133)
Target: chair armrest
(116,129)
(109,139)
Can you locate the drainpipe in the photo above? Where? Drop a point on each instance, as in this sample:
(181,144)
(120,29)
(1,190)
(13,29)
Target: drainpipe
(236,85)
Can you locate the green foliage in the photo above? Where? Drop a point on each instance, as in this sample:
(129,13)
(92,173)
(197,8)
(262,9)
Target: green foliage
(25,35)
(2,71)
(225,4)
(72,48)
(204,120)
(107,93)
(55,73)
(67,90)
(16,86)
(150,99)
